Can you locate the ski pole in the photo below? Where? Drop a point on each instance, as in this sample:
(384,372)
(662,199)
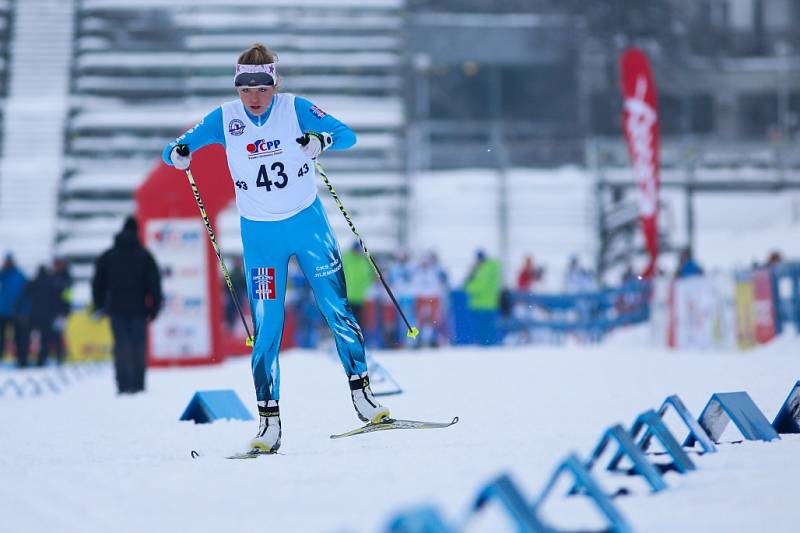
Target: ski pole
(250,339)
(412,331)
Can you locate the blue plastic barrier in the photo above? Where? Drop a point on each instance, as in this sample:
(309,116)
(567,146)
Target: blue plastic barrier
(381,381)
(788,418)
(652,425)
(695,431)
(11,384)
(51,379)
(421,520)
(208,406)
(586,485)
(627,448)
(505,492)
(736,407)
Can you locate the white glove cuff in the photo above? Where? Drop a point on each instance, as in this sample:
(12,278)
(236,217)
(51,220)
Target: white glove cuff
(180,162)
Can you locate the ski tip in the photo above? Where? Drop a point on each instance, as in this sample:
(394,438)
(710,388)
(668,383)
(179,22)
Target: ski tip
(194,454)
(455,419)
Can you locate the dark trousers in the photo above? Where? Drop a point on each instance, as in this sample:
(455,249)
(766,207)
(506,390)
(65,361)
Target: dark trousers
(46,340)
(130,334)
(22,341)
(5,321)
(21,338)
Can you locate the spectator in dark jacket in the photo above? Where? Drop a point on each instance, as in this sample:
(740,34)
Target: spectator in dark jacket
(127,286)
(62,281)
(43,299)
(12,283)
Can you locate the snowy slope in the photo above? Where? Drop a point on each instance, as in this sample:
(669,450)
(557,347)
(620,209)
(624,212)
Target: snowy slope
(88,461)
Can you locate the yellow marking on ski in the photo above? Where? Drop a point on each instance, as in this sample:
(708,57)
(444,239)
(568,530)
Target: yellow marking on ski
(380,417)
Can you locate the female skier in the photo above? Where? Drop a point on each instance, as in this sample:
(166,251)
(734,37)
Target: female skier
(271,140)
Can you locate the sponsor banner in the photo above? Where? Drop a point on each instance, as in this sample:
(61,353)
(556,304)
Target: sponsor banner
(763,306)
(660,310)
(181,330)
(699,314)
(88,338)
(745,312)
(640,125)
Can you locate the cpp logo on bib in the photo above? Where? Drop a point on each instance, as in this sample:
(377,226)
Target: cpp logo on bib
(236,127)
(262,147)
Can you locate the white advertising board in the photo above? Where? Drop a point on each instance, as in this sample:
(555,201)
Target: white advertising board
(182,330)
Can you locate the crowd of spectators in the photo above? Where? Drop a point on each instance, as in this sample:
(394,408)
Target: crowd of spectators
(126,287)
(34,311)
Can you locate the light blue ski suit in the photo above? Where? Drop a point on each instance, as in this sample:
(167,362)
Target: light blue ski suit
(268,245)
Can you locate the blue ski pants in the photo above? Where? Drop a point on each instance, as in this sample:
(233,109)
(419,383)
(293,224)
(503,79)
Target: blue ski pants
(267,249)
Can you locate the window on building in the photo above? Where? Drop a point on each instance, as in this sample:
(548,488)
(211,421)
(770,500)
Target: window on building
(702,113)
(758,113)
(459,94)
(605,113)
(539,93)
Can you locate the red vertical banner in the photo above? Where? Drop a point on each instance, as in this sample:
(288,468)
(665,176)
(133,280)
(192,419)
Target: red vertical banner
(640,123)
(764,306)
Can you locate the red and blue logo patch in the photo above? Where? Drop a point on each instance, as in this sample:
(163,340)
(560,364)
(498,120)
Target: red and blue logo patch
(263,147)
(317,112)
(262,283)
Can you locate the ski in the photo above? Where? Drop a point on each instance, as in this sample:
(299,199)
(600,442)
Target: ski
(252,454)
(391,423)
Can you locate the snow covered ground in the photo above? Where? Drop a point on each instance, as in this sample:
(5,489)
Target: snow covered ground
(86,460)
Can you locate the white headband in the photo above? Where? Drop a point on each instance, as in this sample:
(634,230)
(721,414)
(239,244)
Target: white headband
(261,75)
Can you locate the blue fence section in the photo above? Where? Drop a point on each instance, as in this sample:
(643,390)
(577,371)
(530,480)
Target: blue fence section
(589,315)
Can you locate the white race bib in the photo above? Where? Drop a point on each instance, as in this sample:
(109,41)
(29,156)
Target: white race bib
(272,177)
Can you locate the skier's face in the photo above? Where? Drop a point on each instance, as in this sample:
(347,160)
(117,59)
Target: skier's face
(256,99)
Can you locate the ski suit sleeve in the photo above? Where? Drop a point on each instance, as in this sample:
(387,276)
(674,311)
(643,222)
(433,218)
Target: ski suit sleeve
(207,131)
(312,118)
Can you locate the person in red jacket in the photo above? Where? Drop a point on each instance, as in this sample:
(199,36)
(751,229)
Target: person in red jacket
(528,275)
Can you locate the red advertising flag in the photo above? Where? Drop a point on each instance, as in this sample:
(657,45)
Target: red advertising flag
(764,306)
(640,123)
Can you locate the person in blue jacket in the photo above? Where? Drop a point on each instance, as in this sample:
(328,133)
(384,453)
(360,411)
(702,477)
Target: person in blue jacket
(687,265)
(271,140)
(12,283)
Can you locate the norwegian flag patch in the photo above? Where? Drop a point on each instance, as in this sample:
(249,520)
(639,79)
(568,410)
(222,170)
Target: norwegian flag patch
(317,112)
(262,283)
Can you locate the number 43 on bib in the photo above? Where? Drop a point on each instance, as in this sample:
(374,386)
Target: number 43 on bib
(278,170)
